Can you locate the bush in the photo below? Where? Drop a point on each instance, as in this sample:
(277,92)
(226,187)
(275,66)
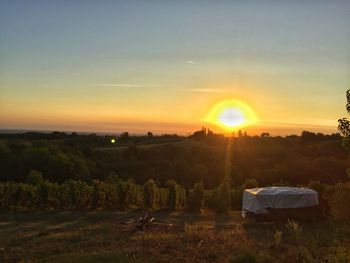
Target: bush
(49,195)
(75,195)
(339,201)
(236,199)
(250,183)
(151,195)
(27,196)
(104,195)
(163,197)
(123,189)
(219,199)
(176,195)
(34,177)
(9,196)
(196,198)
(129,194)
(295,230)
(224,202)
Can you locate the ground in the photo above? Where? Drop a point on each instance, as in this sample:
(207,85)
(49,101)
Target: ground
(207,237)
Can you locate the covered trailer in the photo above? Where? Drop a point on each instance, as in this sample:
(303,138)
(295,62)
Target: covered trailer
(280,203)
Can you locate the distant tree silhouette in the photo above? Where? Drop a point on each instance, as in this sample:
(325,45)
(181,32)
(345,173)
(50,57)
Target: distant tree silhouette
(199,134)
(149,134)
(124,137)
(265,134)
(307,136)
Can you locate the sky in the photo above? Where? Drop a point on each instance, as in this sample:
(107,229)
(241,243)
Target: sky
(161,66)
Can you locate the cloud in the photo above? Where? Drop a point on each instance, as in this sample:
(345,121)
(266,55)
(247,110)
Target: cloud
(121,85)
(206,90)
(190,62)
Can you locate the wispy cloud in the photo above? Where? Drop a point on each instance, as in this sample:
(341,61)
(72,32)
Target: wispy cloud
(206,90)
(190,62)
(122,85)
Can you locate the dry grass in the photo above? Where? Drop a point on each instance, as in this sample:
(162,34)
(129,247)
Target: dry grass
(91,237)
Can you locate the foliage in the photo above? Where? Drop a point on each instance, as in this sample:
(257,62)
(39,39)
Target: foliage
(196,198)
(236,199)
(176,195)
(151,195)
(340,200)
(295,230)
(250,183)
(344,124)
(60,157)
(220,198)
(277,238)
(34,178)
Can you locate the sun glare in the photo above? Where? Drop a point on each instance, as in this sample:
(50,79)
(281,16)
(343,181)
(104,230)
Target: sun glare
(231,114)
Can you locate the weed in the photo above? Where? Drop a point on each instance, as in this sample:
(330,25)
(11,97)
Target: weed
(295,230)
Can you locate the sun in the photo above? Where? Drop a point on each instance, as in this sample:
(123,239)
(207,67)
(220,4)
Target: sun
(231,114)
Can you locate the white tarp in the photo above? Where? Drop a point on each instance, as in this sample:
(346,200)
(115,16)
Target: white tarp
(257,199)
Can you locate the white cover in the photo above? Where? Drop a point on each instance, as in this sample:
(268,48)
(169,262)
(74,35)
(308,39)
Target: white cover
(257,199)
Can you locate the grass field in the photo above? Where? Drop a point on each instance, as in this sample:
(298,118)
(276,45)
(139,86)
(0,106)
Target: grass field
(92,237)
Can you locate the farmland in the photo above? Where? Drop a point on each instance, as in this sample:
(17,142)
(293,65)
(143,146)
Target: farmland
(61,195)
(206,237)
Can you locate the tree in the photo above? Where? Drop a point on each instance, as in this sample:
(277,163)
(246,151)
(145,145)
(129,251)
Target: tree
(265,134)
(124,137)
(201,134)
(149,134)
(344,123)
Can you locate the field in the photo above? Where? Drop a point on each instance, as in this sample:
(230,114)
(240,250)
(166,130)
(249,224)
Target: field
(206,237)
(61,196)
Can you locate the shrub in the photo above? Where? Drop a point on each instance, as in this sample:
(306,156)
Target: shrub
(10,195)
(27,196)
(35,178)
(163,197)
(323,192)
(236,199)
(75,195)
(104,195)
(339,201)
(196,198)
(219,199)
(132,194)
(250,183)
(224,202)
(151,195)
(277,238)
(176,195)
(294,229)
(123,194)
(49,195)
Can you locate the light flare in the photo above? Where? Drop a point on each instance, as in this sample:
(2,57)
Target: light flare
(231,114)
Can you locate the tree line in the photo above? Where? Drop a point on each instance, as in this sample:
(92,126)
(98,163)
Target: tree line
(290,160)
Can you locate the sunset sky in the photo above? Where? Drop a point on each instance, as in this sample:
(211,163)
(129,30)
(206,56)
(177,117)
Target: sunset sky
(113,66)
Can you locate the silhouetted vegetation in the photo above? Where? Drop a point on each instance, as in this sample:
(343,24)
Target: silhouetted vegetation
(73,171)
